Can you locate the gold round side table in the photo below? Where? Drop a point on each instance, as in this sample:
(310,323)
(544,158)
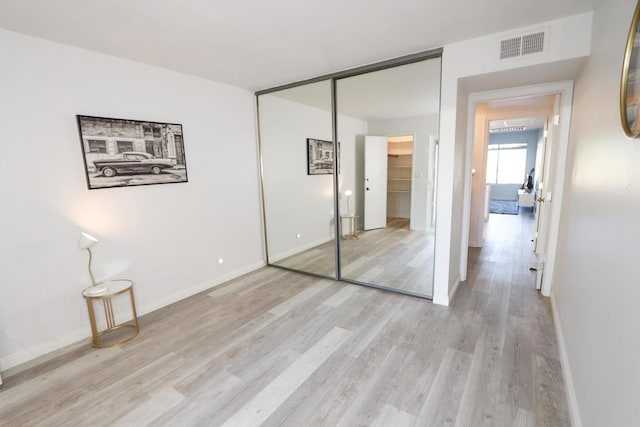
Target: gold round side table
(352,221)
(112,288)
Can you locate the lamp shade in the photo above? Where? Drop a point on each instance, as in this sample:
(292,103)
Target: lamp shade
(86,241)
(348,193)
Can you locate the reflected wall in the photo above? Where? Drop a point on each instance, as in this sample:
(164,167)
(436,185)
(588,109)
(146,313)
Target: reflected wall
(297,178)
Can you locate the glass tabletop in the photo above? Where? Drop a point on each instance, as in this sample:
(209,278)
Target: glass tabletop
(107,288)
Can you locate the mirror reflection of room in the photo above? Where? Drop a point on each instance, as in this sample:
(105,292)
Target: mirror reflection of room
(390,174)
(297,167)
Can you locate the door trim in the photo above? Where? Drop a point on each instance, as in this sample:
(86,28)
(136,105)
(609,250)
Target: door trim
(565,88)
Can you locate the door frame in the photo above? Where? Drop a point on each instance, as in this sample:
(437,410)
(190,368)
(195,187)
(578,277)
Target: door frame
(565,88)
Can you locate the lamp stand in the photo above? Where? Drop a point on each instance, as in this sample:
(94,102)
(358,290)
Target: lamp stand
(348,208)
(93,280)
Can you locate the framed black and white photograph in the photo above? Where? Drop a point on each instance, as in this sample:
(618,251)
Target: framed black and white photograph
(124,152)
(319,157)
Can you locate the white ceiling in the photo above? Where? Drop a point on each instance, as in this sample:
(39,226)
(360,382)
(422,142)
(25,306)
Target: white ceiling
(404,91)
(258,44)
(529,123)
(521,104)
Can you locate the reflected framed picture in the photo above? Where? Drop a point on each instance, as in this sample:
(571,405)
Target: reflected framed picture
(319,157)
(125,152)
(630,81)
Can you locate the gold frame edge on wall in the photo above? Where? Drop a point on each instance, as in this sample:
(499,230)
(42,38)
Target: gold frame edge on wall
(624,83)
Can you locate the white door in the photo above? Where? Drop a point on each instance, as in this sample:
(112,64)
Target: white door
(544,196)
(542,174)
(375,182)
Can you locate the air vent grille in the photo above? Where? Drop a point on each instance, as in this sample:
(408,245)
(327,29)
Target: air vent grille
(522,45)
(533,43)
(510,48)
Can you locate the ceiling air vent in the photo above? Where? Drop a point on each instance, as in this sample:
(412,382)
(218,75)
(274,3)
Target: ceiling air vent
(510,48)
(533,43)
(522,45)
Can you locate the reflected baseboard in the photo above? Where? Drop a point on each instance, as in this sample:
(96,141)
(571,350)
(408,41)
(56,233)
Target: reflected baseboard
(283,255)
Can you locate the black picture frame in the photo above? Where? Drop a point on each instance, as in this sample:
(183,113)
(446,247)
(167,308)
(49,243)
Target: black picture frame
(128,152)
(320,155)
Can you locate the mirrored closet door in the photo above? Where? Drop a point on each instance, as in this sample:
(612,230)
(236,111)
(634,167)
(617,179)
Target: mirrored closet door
(297,157)
(387,123)
(349,172)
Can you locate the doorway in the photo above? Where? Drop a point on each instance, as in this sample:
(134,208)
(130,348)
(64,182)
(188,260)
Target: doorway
(514,154)
(552,183)
(399,181)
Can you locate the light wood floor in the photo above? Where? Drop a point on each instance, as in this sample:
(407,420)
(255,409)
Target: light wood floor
(393,257)
(279,348)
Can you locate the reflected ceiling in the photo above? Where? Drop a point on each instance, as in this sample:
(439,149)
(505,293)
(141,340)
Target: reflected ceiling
(405,91)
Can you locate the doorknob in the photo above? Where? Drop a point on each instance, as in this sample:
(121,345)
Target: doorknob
(540,199)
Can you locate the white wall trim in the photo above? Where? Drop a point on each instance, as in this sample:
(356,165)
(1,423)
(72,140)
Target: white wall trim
(84,333)
(310,245)
(33,352)
(203,286)
(574,410)
(446,299)
(565,88)
(441,300)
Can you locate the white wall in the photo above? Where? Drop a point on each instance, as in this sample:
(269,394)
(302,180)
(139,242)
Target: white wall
(164,237)
(351,132)
(422,127)
(569,38)
(596,290)
(297,202)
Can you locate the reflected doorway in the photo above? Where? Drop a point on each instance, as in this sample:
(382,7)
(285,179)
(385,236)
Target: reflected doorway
(399,180)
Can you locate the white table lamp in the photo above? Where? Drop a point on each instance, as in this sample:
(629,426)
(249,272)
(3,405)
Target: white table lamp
(87,241)
(348,193)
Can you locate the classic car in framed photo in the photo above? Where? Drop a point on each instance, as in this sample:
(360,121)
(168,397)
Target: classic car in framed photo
(319,157)
(125,152)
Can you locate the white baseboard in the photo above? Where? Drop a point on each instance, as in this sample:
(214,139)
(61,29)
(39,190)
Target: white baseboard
(441,299)
(574,410)
(283,255)
(446,299)
(39,350)
(186,293)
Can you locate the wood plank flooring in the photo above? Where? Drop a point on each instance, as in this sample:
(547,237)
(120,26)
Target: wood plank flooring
(278,348)
(394,257)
